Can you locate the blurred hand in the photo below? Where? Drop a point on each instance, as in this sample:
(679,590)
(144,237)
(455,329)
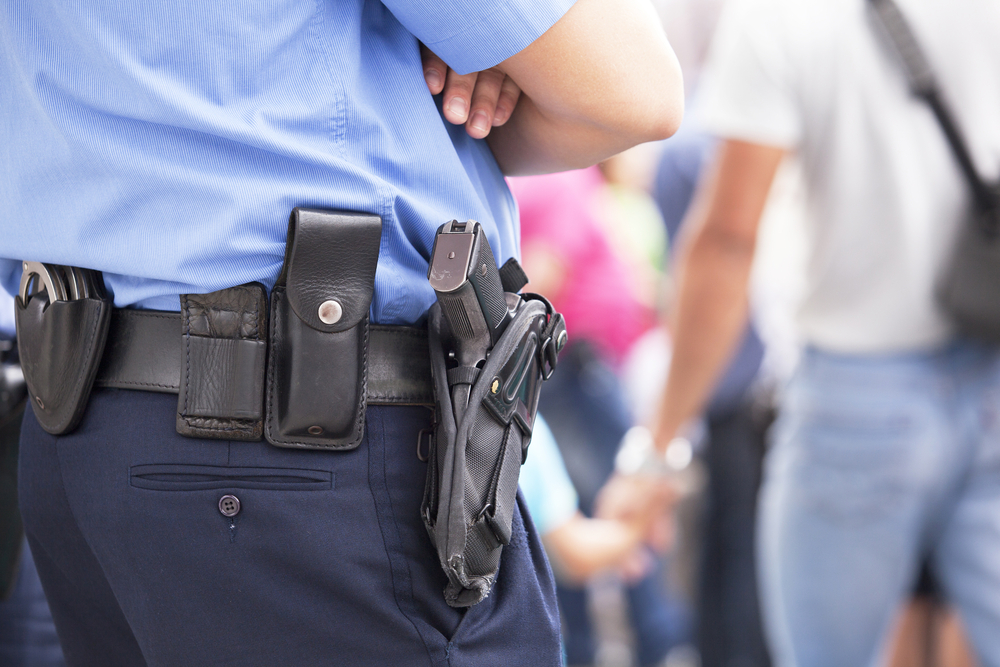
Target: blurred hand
(641,501)
(662,531)
(636,566)
(480,100)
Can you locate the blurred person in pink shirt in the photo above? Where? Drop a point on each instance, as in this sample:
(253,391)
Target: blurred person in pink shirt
(568,258)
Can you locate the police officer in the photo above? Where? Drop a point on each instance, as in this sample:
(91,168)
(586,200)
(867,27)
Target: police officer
(164,144)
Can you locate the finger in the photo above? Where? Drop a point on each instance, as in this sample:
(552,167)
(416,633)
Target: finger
(510,93)
(458,96)
(636,565)
(435,70)
(484,103)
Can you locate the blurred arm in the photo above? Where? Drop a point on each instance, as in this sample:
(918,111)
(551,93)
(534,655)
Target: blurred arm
(713,275)
(602,79)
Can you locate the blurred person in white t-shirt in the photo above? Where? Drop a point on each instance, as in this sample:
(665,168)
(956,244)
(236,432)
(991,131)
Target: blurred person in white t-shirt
(887,450)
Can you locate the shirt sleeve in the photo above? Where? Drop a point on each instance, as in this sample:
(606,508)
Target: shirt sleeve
(544,482)
(473,36)
(747,92)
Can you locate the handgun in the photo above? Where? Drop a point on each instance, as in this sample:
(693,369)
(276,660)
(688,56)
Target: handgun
(464,274)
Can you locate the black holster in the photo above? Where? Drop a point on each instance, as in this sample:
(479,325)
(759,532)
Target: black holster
(474,463)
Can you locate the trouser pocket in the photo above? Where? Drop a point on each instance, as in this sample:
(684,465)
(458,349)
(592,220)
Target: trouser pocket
(185,477)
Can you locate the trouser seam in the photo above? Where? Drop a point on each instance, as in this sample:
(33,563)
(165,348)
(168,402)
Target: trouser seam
(76,524)
(377,477)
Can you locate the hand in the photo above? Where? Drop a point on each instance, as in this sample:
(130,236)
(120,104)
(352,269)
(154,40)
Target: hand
(480,100)
(641,501)
(634,567)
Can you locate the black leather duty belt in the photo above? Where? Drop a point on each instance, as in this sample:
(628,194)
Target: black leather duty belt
(144,351)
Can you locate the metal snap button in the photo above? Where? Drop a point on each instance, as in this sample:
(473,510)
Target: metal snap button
(229,505)
(330,312)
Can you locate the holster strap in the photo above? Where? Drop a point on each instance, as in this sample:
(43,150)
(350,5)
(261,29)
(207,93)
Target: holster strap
(145,350)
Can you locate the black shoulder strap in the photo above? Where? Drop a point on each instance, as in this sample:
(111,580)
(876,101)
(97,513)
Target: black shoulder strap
(924,85)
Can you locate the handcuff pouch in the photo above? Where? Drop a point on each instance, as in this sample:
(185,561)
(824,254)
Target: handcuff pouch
(60,344)
(318,365)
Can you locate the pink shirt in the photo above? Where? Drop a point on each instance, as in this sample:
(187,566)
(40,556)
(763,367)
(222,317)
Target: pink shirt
(596,299)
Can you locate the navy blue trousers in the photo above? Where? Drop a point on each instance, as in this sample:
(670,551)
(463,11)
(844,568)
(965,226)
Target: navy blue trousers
(327,561)
(27,634)
(730,631)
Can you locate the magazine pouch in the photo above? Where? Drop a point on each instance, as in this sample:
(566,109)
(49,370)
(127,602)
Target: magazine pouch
(221,389)
(318,365)
(474,463)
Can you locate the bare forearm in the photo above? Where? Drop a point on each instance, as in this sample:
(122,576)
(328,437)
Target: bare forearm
(533,142)
(601,80)
(710,317)
(714,272)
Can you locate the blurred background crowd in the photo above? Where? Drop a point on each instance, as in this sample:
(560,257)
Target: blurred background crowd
(760,290)
(755,295)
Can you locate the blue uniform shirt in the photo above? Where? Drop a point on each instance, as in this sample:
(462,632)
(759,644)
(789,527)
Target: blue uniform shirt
(165,143)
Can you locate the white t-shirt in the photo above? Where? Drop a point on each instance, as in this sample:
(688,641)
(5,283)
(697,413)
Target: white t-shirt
(885,195)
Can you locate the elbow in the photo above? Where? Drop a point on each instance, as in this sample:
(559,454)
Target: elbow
(668,117)
(666,103)
(656,104)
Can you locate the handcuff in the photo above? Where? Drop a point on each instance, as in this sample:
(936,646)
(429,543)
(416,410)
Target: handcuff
(61,283)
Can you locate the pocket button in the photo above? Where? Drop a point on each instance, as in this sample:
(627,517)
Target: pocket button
(229,505)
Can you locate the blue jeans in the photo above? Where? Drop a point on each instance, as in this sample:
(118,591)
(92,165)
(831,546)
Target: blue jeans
(326,562)
(878,461)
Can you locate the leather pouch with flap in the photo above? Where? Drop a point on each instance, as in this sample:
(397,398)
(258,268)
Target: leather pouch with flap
(222,371)
(318,365)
